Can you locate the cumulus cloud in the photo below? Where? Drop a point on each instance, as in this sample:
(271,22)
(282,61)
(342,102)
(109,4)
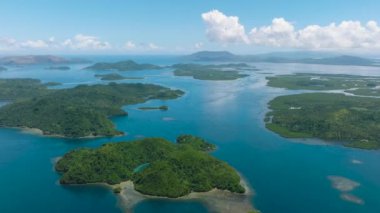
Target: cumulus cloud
(222,28)
(35,44)
(130,45)
(282,33)
(141,46)
(198,45)
(8,43)
(86,42)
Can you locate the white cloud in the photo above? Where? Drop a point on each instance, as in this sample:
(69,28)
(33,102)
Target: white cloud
(34,44)
(130,45)
(198,45)
(8,43)
(282,33)
(222,28)
(85,42)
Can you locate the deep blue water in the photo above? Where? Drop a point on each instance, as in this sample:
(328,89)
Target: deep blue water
(287,175)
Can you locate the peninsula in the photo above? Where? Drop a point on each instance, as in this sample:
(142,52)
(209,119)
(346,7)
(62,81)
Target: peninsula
(83,111)
(347,120)
(219,72)
(114,77)
(127,65)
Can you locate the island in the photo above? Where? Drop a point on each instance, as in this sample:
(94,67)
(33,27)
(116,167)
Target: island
(348,120)
(114,77)
(309,81)
(300,57)
(82,111)
(219,72)
(154,167)
(3,68)
(58,68)
(127,65)
(39,59)
(162,108)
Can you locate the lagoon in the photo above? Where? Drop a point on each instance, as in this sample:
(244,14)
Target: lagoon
(288,175)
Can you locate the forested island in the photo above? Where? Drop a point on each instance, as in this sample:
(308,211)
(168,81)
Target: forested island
(127,65)
(154,165)
(58,68)
(82,111)
(309,81)
(114,77)
(216,72)
(348,120)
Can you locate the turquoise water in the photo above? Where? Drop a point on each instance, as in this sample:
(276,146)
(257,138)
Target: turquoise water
(287,175)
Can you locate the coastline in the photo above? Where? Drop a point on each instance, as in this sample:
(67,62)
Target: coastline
(221,201)
(39,132)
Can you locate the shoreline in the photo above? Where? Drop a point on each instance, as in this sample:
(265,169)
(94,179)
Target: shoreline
(216,200)
(39,132)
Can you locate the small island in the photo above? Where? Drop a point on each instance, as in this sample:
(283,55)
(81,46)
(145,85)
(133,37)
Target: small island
(162,108)
(219,72)
(309,81)
(39,59)
(348,120)
(3,68)
(58,68)
(114,77)
(127,65)
(82,111)
(154,167)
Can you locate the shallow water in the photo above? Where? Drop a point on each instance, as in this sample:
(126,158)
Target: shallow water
(287,175)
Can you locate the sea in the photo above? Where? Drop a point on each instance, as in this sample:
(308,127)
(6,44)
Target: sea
(287,175)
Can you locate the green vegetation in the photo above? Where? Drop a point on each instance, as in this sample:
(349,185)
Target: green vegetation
(77,112)
(174,170)
(127,65)
(21,88)
(210,72)
(163,108)
(365,92)
(306,81)
(52,84)
(349,120)
(58,68)
(114,77)
(196,143)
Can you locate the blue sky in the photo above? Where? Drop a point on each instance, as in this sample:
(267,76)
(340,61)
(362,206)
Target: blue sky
(167,26)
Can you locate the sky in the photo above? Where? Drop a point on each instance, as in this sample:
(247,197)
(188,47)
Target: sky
(185,26)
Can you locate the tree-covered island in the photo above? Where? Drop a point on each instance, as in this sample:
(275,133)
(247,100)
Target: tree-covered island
(81,111)
(114,77)
(154,165)
(217,72)
(127,65)
(309,81)
(348,120)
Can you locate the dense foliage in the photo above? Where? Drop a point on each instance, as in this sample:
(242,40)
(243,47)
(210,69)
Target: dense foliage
(195,142)
(58,68)
(211,72)
(174,170)
(163,108)
(21,88)
(76,112)
(352,121)
(305,81)
(127,65)
(110,77)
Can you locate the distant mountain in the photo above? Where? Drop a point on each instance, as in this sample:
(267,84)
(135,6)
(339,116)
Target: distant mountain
(284,57)
(211,56)
(39,59)
(127,65)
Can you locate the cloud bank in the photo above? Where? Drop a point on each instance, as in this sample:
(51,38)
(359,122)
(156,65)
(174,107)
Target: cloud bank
(282,33)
